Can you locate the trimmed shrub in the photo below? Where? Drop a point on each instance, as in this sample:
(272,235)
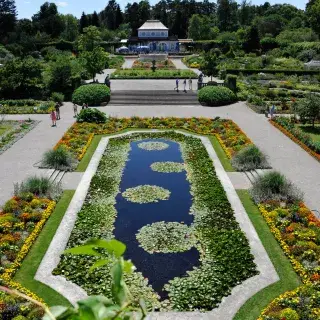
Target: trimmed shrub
(60,159)
(57,97)
(216,96)
(250,158)
(93,94)
(274,186)
(39,186)
(92,115)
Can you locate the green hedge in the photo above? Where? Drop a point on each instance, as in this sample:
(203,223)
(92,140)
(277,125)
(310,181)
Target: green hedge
(216,96)
(92,94)
(149,74)
(272,71)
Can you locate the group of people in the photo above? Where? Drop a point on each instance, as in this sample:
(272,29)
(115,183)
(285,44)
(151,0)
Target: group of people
(184,84)
(55,112)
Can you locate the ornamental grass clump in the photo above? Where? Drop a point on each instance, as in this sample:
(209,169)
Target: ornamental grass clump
(59,159)
(250,158)
(40,186)
(275,186)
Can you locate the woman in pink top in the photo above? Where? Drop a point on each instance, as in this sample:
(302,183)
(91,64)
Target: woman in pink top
(53,117)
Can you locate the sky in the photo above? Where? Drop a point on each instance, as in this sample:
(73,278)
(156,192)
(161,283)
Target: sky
(26,8)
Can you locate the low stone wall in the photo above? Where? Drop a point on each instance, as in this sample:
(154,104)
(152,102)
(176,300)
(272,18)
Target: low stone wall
(153,56)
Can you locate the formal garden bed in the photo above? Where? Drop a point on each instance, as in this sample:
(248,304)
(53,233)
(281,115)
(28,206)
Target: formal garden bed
(12,131)
(214,234)
(28,106)
(163,65)
(149,74)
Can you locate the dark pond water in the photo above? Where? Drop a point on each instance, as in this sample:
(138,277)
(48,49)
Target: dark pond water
(159,268)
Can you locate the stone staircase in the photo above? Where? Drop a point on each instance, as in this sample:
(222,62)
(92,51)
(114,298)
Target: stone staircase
(254,174)
(54,175)
(154,97)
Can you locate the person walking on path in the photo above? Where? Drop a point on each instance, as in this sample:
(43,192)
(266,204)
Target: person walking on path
(75,110)
(190,84)
(177,85)
(185,85)
(57,107)
(272,111)
(53,118)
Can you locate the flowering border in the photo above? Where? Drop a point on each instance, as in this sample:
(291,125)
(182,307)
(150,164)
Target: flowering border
(296,140)
(9,273)
(84,150)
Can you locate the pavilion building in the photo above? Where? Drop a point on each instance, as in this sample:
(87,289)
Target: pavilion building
(154,35)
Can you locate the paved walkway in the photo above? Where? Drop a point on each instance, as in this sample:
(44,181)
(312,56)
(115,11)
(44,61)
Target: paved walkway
(16,163)
(128,62)
(284,154)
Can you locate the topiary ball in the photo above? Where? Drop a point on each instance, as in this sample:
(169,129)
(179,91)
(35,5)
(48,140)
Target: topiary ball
(216,96)
(92,115)
(92,94)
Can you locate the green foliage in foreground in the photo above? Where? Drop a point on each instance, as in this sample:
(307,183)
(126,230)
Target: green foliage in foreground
(59,159)
(216,96)
(149,74)
(289,280)
(227,261)
(92,94)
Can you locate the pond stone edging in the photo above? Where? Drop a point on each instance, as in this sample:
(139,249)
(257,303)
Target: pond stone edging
(229,305)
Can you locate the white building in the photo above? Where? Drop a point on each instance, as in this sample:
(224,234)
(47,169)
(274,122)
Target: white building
(154,35)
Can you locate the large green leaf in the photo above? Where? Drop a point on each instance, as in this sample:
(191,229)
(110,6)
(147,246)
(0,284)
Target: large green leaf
(98,264)
(118,286)
(114,247)
(86,249)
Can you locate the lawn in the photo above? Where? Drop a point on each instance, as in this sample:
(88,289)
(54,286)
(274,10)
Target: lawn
(30,265)
(313,132)
(289,280)
(149,74)
(4,128)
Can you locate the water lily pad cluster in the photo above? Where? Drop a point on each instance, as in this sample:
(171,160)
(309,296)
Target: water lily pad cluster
(166,237)
(153,146)
(146,194)
(167,167)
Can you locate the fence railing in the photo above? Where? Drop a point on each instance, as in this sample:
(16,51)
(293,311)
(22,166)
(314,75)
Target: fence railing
(205,84)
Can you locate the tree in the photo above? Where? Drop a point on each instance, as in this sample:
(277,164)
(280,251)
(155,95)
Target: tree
(309,108)
(71,28)
(8,16)
(84,23)
(94,61)
(199,27)
(90,39)
(313,14)
(272,24)
(48,20)
(227,15)
(209,64)
(252,41)
(111,16)
(95,19)
(21,78)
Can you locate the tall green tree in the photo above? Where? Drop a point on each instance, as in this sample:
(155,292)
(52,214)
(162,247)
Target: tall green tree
(313,14)
(83,23)
(309,108)
(252,40)
(90,39)
(95,19)
(94,61)
(71,27)
(8,17)
(209,64)
(199,27)
(227,15)
(48,20)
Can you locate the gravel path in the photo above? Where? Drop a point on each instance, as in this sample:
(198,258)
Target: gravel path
(16,163)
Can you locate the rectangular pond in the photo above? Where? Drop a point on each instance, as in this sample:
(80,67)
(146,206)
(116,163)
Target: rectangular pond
(159,194)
